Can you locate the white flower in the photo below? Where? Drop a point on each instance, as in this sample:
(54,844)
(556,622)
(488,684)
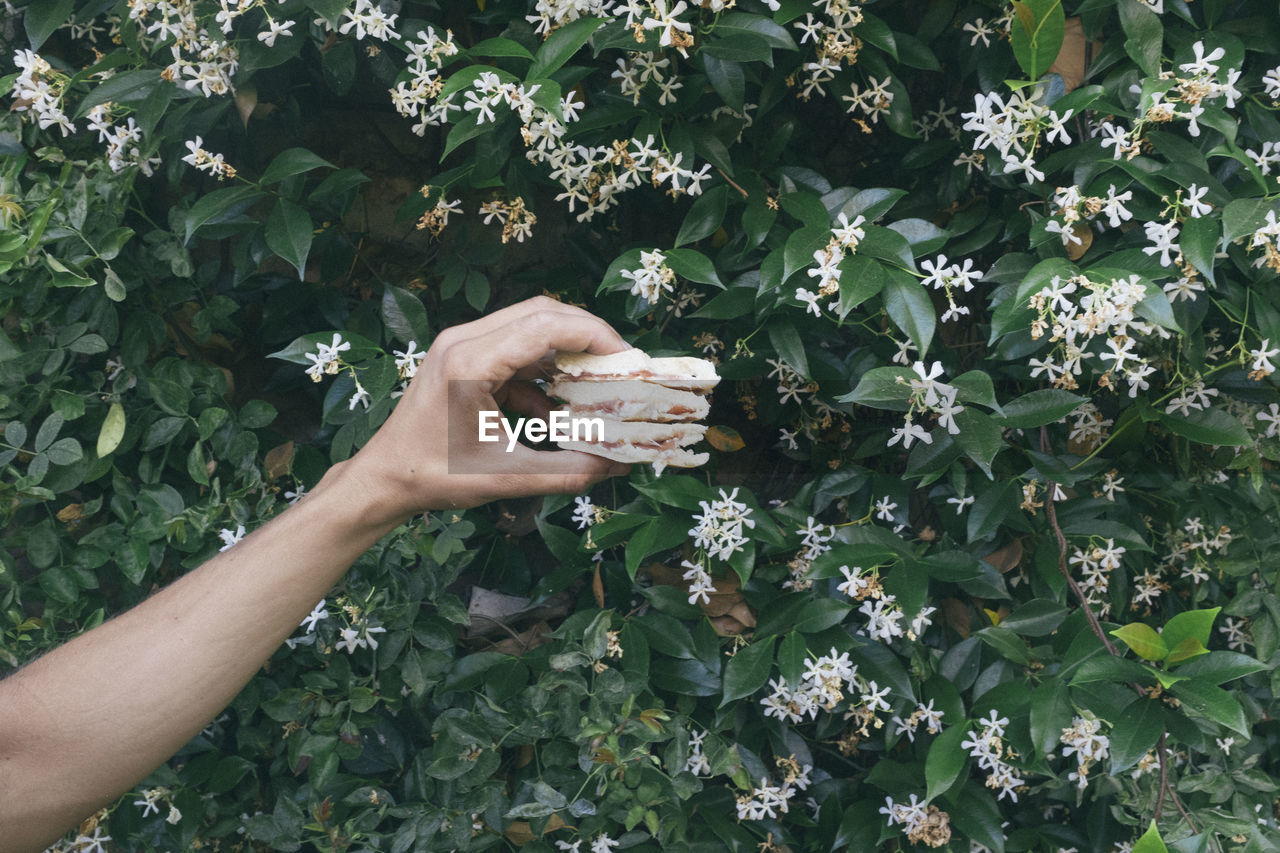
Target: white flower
(317,614)
(276,29)
(584,512)
(1203,65)
(884,509)
(961,503)
(1195,206)
(1262,357)
(230,537)
(1164,236)
(407,361)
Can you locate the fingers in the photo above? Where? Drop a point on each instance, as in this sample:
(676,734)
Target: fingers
(497,355)
(566,472)
(525,398)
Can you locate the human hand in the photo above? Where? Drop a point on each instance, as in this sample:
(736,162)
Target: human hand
(428,454)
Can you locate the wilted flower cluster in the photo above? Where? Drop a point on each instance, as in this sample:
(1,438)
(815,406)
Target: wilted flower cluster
(769,801)
(923,824)
(516,219)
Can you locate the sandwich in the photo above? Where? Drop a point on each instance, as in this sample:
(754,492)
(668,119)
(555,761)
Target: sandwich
(629,400)
(660,444)
(684,373)
(645,409)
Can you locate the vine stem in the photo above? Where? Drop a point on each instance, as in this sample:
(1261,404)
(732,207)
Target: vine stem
(1096,626)
(732,183)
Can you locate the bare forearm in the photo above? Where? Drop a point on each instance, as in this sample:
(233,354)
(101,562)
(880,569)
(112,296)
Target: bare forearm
(92,719)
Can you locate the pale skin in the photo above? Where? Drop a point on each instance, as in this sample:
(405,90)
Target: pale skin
(89,721)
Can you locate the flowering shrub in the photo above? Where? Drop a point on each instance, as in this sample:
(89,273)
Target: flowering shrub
(985,557)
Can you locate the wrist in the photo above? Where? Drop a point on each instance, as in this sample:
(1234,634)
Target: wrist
(369,500)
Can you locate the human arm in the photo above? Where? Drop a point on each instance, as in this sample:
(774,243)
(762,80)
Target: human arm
(91,719)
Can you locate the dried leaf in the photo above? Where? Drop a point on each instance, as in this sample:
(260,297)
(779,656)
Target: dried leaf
(725,439)
(70,512)
(957,615)
(597,587)
(278,460)
(246,101)
(523,642)
(1085,235)
(1072,61)
(520,832)
(1007,558)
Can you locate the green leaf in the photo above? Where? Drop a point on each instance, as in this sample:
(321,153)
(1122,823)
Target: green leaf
(1150,842)
(911,310)
(728,80)
(1186,650)
(1199,241)
(1212,703)
(738,46)
(48,432)
(1037,618)
(405,315)
(979,436)
(748,670)
(680,491)
(561,45)
(800,248)
(1051,712)
(293,161)
(704,216)
(656,535)
(1208,426)
(499,47)
(112,430)
(1038,408)
(1036,33)
(921,235)
(1007,643)
(120,88)
(693,265)
(1143,639)
(791,657)
(64,451)
(860,279)
(289,234)
(220,206)
(41,17)
(945,762)
(1220,667)
(789,346)
(1190,624)
(1145,36)
(1135,732)
(1242,217)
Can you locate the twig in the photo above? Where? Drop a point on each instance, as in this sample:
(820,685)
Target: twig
(1163,754)
(730,180)
(1052,513)
(1096,627)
